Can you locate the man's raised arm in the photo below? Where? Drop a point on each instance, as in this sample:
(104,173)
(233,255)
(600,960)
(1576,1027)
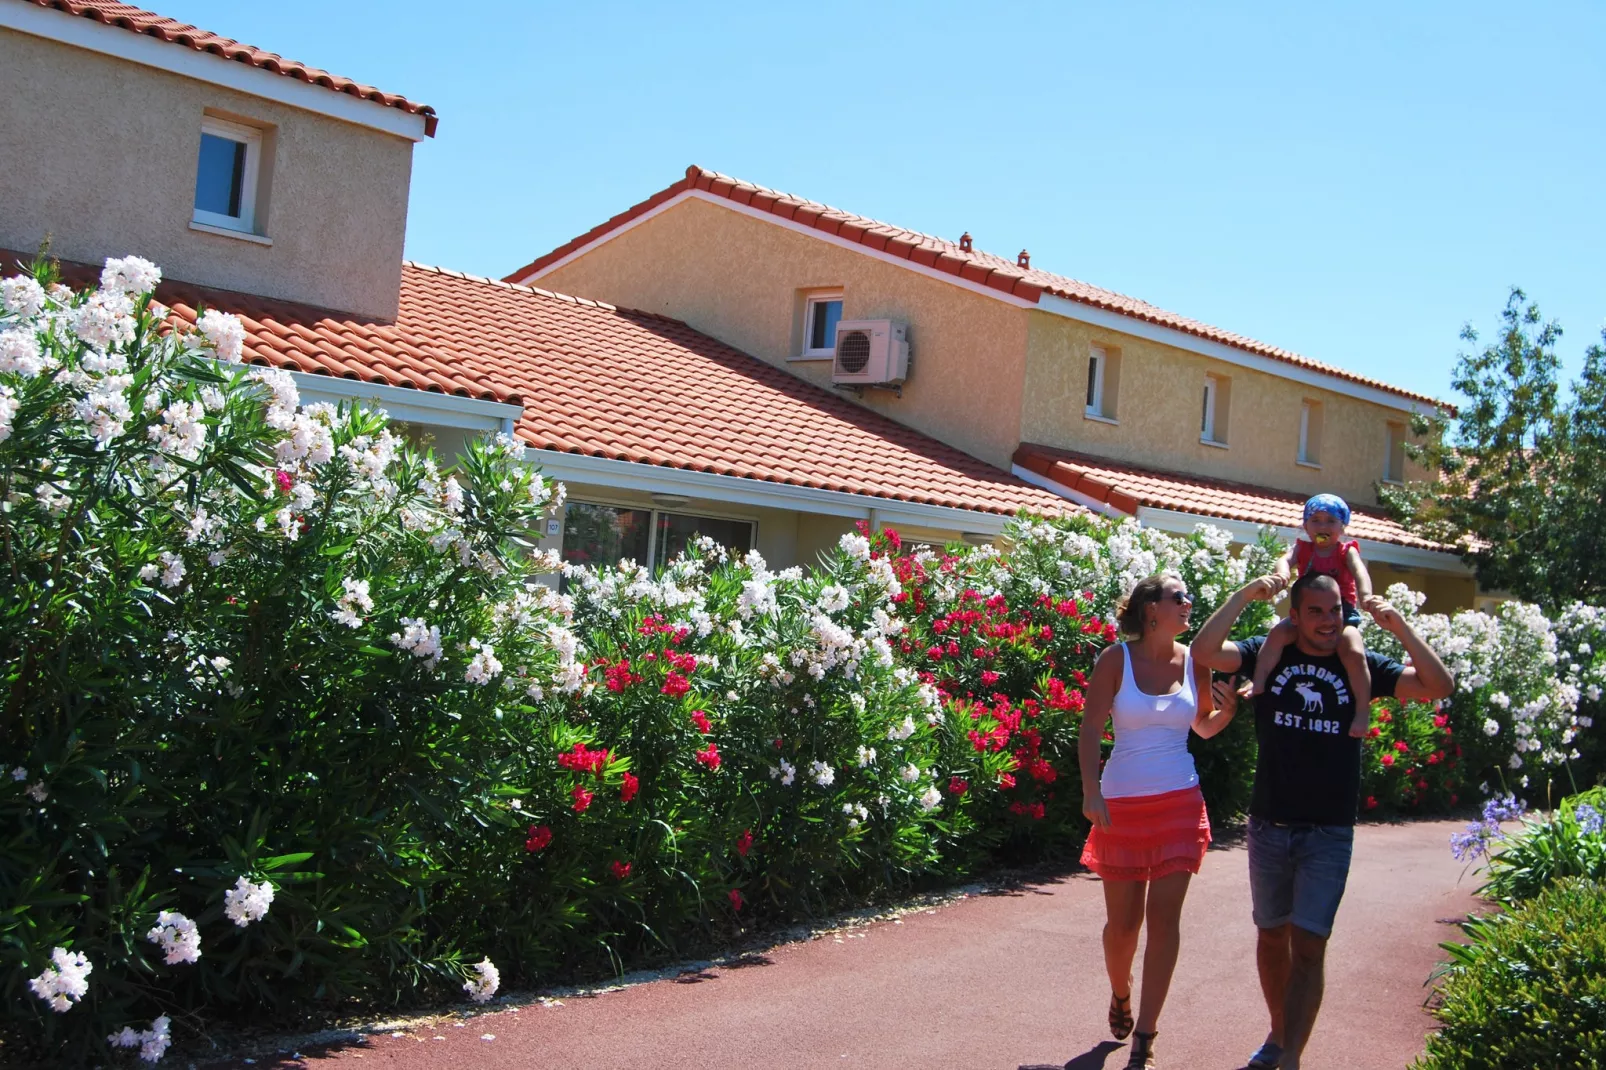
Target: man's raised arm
(1211,647)
(1425,679)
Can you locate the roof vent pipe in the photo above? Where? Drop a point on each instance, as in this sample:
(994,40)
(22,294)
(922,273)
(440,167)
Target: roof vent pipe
(1024,259)
(964,242)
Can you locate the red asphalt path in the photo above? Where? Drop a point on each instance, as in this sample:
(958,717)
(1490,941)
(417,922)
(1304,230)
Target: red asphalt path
(1002,981)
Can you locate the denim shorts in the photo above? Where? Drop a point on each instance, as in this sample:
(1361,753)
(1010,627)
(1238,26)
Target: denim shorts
(1297,873)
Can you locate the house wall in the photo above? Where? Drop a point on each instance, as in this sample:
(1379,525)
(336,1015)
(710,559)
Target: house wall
(1159,407)
(116,175)
(743,280)
(1447,592)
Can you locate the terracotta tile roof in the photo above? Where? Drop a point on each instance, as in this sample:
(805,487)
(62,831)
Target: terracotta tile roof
(138,20)
(609,382)
(1126,488)
(995,272)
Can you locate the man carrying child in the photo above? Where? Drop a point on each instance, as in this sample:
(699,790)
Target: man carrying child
(1307,782)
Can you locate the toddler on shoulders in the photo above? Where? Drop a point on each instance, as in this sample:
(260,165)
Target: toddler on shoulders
(1327,550)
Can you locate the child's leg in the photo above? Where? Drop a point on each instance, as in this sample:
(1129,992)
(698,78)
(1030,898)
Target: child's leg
(1352,652)
(1277,640)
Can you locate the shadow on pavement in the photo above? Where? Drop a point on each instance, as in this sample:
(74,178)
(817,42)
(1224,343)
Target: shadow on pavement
(711,973)
(1091,1059)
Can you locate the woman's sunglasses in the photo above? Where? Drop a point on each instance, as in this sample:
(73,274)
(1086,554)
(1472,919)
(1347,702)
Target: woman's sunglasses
(1182,598)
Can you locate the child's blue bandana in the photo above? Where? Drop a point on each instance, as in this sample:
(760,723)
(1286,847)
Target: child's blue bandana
(1328,503)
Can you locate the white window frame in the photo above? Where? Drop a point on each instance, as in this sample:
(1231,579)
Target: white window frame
(1207,423)
(252,139)
(1389,475)
(1098,360)
(810,304)
(1304,457)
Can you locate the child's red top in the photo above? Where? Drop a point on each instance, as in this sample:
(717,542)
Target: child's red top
(1306,559)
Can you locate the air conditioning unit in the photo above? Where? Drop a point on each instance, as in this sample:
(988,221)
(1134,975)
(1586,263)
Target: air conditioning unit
(870,353)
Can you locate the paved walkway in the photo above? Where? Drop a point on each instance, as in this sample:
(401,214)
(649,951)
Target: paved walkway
(997,981)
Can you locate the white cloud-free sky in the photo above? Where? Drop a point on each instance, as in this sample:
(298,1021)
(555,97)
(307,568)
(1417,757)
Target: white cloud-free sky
(1353,182)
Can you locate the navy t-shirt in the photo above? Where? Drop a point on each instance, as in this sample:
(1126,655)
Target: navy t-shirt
(1309,767)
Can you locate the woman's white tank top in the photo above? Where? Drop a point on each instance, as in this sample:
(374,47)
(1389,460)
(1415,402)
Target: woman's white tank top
(1151,737)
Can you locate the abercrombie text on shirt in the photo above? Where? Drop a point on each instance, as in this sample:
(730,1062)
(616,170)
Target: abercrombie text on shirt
(1309,768)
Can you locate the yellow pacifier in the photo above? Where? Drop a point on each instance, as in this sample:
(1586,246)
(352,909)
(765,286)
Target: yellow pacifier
(1323,539)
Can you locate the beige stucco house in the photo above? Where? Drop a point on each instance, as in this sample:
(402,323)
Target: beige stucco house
(689,389)
(1106,401)
(278,191)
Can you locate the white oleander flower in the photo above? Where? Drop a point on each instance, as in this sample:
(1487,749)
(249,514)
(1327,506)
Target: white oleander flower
(37,791)
(21,295)
(419,639)
(131,275)
(225,332)
(930,799)
(483,667)
(910,773)
(1491,727)
(833,599)
(247,901)
(172,569)
(152,1043)
(106,319)
(822,774)
(483,985)
(65,982)
(353,603)
(177,936)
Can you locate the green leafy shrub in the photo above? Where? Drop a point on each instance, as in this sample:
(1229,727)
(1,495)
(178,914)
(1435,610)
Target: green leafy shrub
(1529,988)
(255,727)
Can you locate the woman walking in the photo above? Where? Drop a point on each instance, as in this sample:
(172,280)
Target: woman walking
(1150,830)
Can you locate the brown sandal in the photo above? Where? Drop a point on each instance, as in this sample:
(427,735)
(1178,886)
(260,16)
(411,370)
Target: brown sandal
(1120,1016)
(1142,1056)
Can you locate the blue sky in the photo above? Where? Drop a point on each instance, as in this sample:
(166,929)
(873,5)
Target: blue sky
(1353,182)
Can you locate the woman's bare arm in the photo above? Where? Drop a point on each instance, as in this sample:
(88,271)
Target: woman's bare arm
(1217,703)
(1100,699)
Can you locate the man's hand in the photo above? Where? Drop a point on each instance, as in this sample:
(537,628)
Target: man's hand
(1263,588)
(1388,618)
(1228,692)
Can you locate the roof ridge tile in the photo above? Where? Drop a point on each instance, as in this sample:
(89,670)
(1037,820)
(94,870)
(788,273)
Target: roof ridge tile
(947,256)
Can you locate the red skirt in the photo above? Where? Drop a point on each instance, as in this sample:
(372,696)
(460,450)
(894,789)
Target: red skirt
(1150,836)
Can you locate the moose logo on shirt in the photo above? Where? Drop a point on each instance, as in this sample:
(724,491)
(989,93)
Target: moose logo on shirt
(1300,694)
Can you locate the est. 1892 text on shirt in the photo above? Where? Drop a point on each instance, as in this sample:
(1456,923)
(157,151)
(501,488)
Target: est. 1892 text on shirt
(1309,768)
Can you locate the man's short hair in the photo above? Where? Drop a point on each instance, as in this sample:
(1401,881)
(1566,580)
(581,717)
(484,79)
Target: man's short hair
(1309,580)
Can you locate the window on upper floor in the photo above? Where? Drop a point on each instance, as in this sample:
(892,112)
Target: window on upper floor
(821,313)
(1103,382)
(1215,411)
(1394,459)
(1310,434)
(227,173)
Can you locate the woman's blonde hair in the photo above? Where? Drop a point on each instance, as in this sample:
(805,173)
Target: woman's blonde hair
(1130,611)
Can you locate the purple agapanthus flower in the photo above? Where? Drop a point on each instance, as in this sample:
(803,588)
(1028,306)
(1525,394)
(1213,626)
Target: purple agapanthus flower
(1589,819)
(1473,844)
(1503,808)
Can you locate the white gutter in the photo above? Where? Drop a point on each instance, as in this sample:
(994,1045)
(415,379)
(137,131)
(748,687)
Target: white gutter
(740,490)
(410,405)
(1245,532)
(176,58)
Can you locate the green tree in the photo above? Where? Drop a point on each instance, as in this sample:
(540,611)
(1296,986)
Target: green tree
(1517,477)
